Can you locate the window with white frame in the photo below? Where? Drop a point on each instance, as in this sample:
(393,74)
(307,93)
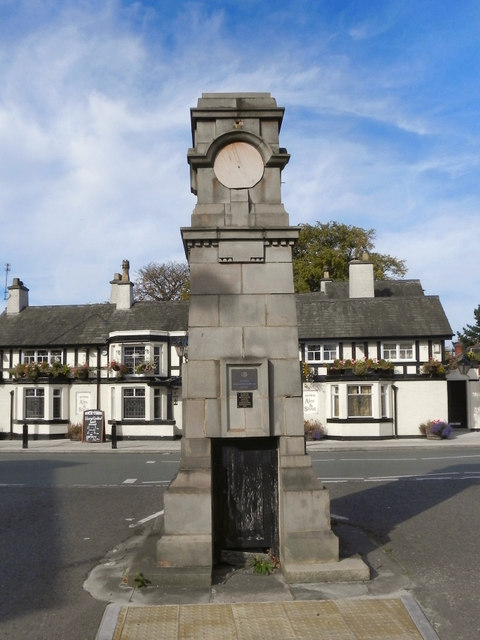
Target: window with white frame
(133,403)
(34,403)
(157,404)
(57,404)
(42,355)
(335,401)
(133,356)
(397,351)
(321,352)
(384,404)
(157,358)
(359,400)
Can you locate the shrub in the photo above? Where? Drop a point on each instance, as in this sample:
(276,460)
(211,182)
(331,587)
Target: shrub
(314,429)
(436,428)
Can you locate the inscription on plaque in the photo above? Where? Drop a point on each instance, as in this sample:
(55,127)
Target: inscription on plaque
(245,379)
(244,400)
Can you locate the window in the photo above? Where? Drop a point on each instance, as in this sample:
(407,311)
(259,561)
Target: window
(42,355)
(321,352)
(157,359)
(398,351)
(157,404)
(133,356)
(335,401)
(384,401)
(57,403)
(34,403)
(133,403)
(359,400)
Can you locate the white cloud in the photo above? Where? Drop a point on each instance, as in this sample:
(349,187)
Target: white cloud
(94,131)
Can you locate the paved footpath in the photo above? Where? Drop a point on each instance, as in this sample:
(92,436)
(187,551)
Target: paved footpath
(241,605)
(461,437)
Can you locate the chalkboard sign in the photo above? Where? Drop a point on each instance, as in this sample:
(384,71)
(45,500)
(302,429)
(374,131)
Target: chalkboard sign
(93,426)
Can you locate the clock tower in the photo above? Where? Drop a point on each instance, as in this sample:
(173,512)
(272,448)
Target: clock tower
(245,481)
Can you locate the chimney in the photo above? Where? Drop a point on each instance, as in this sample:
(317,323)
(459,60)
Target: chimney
(360,278)
(122,289)
(325,280)
(17,297)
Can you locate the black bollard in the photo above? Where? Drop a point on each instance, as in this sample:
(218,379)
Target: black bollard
(114,435)
(25,437)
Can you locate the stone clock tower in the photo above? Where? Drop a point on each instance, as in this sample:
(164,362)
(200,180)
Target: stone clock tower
(245,481)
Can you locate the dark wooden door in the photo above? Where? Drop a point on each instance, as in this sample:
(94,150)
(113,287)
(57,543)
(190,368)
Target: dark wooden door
(457,403)
(245,494)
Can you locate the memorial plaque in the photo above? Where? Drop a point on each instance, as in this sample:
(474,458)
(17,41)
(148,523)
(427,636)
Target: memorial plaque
(244,400)
(245,379)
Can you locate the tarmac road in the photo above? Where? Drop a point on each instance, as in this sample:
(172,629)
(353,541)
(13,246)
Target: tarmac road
(52,536)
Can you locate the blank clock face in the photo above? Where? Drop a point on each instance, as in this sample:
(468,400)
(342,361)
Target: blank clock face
(238,166)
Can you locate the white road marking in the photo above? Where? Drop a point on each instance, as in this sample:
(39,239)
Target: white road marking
(150,462)
(375,459)
(473,455)
(130,481)
(148,518)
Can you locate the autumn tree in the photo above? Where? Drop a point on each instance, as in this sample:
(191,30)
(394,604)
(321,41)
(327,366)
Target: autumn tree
(162,281)
(335,244)
(470,335)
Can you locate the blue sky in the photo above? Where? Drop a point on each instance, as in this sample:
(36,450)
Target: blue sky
(382,122)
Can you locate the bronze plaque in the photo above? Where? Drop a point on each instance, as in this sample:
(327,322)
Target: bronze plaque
(244,400)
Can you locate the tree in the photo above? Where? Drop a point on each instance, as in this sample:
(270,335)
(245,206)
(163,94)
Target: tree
(162,281)
(335,244)
(471,333)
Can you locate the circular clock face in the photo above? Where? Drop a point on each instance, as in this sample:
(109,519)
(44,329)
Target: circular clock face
(238,165)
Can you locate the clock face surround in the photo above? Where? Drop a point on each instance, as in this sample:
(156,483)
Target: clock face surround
(238,165)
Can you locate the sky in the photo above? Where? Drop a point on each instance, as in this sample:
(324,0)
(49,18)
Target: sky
(382,122)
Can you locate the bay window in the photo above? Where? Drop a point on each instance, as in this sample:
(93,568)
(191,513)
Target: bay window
(335,401)
(34,403)
(133,356)
(359,400)
(57,403)
(134,403)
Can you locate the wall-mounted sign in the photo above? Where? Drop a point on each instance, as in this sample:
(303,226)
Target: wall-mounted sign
(245,379)
(244,400)
(93,426)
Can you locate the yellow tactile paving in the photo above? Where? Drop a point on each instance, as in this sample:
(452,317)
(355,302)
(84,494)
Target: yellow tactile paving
(310,620)
(146,623)
(205,622)
(378,619)
(266,620)
(317,620)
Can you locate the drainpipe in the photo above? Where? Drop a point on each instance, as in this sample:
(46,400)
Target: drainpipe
(395,410)
(99,373)
(12,394)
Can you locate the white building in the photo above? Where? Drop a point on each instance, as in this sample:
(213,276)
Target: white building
(366,345)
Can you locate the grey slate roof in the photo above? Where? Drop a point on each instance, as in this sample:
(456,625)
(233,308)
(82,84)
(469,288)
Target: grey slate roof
(70,325)
(383,289)
(399,309)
